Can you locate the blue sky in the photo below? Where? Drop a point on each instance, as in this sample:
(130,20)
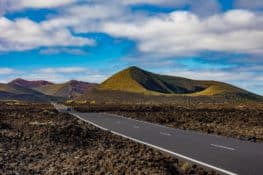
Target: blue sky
(59,40)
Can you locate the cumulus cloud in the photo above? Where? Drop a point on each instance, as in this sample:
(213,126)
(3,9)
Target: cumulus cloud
(177,33)
(181,33)
(91,16)
(25,34)
(11,5)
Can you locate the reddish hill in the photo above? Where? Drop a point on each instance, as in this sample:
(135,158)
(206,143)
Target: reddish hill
(29,84)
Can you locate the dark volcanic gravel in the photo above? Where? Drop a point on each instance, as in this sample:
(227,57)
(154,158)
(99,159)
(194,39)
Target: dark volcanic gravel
(35,139)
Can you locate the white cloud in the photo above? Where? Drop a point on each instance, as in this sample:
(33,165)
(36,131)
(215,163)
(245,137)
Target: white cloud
(212,74)
(4,71)
(53,74)
(63,70)
(61,77)
(182,33)
(24,34)
(11,5)
(92,78)
(71,51)
(177,33)
(43,3)
(91,16)
(96,11)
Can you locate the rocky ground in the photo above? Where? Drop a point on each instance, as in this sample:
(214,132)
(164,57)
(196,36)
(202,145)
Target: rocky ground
(35,139)
(239,121)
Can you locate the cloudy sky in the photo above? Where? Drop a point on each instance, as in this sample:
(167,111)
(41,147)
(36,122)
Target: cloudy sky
(59,40)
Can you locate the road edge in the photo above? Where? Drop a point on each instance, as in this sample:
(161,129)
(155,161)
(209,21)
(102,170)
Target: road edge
(159,148)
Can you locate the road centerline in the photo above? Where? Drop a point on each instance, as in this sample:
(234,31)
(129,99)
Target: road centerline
(223,147)
(165,133)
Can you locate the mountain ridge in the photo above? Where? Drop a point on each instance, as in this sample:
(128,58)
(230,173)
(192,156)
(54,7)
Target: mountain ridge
(29,84)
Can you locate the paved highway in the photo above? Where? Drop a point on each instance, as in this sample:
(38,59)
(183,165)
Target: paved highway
(225,155)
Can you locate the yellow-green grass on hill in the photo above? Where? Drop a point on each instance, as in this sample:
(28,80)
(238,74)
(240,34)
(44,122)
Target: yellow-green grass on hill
(136,80)
(215,88)
(123,81)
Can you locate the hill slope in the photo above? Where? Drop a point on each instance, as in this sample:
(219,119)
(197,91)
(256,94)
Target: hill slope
(69,89)
(136,80)
(14,92)
(29,84)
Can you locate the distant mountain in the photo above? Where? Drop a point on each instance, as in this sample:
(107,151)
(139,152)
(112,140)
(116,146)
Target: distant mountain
(132,85)
(69,89)
(136,80)
(43,91)
(29,84)
(15,92)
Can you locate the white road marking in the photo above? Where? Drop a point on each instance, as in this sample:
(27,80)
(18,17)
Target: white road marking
(87,121)
(176,154)
(164,133)
(127,118)
(136,127)
(162,149)
(224,147)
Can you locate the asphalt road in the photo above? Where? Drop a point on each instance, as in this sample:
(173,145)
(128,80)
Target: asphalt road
(225,155)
